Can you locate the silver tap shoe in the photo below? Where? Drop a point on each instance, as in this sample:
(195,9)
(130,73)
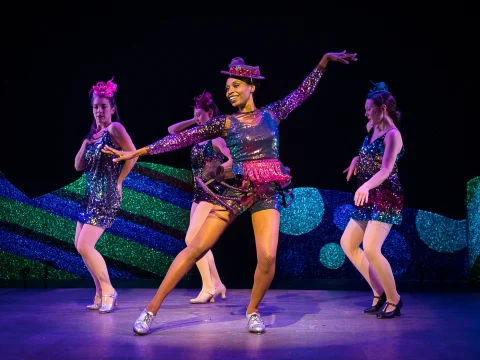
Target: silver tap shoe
(95,305)
(107,308)
(143,323)
(255,323)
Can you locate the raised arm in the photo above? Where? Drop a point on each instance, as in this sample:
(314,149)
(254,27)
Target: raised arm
(220,146)
(118,132)
(180,126)
(282,108)
(209,130)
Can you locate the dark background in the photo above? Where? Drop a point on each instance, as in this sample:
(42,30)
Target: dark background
(51,60)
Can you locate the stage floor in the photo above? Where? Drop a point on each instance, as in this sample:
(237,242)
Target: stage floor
(301,324)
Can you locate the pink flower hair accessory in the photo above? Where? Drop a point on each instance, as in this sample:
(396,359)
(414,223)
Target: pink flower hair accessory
(102,89)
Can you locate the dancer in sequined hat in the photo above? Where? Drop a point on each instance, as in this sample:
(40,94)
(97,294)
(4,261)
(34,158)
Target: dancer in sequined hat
(202,156)
(260,182)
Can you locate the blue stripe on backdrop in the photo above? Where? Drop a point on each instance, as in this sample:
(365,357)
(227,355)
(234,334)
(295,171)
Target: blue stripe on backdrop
(159,190)
(122,228)
(63,260)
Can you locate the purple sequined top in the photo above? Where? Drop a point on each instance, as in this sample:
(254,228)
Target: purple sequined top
(102,200)
(385,202)
(249,136)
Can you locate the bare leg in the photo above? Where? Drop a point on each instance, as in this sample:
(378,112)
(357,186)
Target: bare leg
(217,282)
(266,227)
(375,235)
(211,230)
(350,242)
(85,244)
(206,265)
(98,287)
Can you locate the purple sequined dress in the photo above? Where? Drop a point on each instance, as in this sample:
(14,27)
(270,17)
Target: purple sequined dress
(253,141)
(102,199)
(385,202)
(200,155)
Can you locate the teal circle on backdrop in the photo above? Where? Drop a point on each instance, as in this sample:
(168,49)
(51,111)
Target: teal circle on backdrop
(440,233)
(332,256)
(304,214)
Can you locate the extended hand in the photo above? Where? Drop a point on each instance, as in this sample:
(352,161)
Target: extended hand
(122,155)
(352,169)
(341,57)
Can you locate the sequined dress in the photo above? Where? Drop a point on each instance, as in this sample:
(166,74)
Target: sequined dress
(200,155)
(102,200)
(253,140)
(385,202)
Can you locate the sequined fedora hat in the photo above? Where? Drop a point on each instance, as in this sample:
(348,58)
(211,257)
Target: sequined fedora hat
(237,67)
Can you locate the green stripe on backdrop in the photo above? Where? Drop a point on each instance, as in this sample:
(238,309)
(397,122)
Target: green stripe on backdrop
(180,174)
(63,229)
(11,264)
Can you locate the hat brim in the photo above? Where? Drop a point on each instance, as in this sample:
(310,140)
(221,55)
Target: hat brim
(244,76)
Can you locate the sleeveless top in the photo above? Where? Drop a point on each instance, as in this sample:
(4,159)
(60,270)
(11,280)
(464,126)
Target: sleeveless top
(385,202)
(102,200)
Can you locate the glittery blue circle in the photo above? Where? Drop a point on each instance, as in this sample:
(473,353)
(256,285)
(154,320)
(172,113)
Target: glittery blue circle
(304,214)
(342,216)
(397,251)
(440,233)
(332,256)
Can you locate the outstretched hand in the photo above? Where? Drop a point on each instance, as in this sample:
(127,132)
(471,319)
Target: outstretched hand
(122,155)
(341,57)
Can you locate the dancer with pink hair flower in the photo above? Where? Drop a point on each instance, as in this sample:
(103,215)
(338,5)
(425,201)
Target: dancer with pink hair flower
(260,182)
(103,191)
(202,156)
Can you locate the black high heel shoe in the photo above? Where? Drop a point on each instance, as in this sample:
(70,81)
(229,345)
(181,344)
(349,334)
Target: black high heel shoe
(382,314)
(376,308)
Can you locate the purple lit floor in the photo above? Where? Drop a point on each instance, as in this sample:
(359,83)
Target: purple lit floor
(305,324)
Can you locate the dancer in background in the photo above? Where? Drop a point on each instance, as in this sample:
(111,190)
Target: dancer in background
(201,155)
(103,191)
(378,200)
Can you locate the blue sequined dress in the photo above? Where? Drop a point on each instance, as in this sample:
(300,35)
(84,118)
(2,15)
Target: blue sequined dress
(200,155)
(385,202)
(102,200)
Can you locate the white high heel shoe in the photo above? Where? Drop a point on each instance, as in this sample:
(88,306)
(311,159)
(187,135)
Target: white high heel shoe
(108,308)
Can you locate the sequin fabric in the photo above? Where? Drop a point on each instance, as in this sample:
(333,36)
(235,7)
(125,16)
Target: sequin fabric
(255,136)
(282,108)
(260,197)
(200,155)
(250,136)
(385,202)
(102,200)
(211,129)
(265,171)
